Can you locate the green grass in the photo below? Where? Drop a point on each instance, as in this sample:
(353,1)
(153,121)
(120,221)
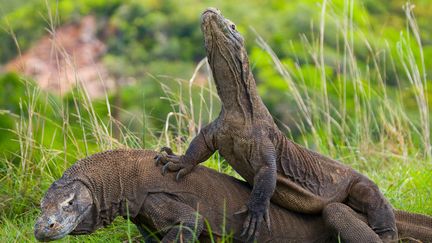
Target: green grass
(352,116)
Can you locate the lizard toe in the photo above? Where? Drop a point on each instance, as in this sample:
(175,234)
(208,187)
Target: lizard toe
(246,225)
(170,166)
(167,150)
(252,228)
(267,219)
(160,160)
(182,172)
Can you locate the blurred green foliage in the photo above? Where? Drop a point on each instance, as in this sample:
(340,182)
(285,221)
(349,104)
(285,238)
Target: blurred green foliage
(142,31)
(163,37)
(12,91)
(150,38)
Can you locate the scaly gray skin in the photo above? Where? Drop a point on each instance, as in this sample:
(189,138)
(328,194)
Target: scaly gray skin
(93,192)
(247,137)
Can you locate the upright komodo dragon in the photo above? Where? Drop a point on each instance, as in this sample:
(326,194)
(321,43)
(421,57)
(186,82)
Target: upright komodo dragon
(247,137)
(98,188)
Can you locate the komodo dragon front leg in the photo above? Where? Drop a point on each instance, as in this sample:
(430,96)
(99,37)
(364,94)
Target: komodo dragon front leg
(199,150)
(263,161)
(178,222)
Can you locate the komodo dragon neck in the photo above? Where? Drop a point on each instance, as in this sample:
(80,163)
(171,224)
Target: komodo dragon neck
(229,63)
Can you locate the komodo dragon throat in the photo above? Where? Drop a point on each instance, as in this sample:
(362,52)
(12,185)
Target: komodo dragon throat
(247,137)
(98,188)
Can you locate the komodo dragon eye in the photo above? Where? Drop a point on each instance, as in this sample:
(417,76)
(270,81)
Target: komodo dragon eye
(230,24)
(68,202)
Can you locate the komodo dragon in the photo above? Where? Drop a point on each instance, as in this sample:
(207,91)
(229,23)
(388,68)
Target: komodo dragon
(98,188)
(247,137)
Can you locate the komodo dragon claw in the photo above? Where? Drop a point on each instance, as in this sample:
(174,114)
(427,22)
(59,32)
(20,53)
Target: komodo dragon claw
(242,210)
(252,222)
(161,158)
(168,150)
(182,168)
(267,220)
(172,162)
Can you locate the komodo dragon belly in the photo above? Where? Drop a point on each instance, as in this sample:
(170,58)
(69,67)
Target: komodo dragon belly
(236,151)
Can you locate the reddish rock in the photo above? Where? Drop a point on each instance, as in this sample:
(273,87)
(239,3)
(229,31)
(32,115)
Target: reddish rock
(70,55)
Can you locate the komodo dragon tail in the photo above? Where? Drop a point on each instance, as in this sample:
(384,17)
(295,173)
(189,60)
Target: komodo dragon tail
(413,226)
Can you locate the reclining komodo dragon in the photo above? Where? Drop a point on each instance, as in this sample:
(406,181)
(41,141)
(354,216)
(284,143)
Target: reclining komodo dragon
(245,134)
(103,186)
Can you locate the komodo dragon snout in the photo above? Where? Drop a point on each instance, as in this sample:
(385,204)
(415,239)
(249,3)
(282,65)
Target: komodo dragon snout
(62,209)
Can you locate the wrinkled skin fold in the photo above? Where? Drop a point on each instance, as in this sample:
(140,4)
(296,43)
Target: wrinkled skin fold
(158,203)
(279,170)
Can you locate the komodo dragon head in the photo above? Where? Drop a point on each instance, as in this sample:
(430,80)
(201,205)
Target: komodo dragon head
(228,59)
(64,206)
(220,34)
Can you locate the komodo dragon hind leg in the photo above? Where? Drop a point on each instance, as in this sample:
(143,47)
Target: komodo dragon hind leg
(351,226)
(177,221)
(346,223)
(365,197)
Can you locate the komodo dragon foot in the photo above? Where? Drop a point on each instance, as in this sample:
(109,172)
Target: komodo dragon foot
(172,162)
(253,221)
